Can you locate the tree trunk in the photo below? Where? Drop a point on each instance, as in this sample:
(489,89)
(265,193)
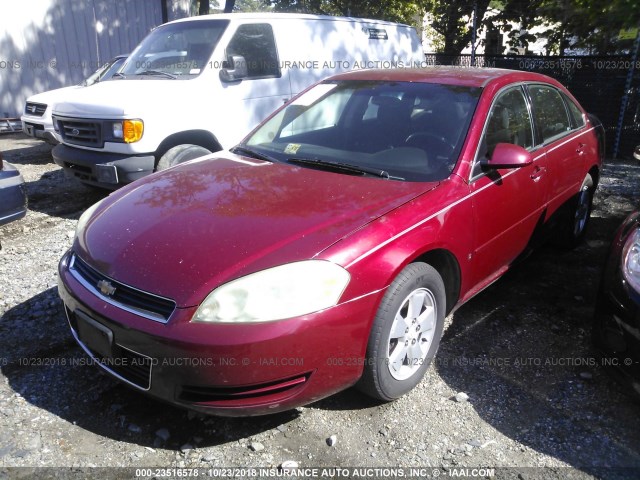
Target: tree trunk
(228,6)
(203,7)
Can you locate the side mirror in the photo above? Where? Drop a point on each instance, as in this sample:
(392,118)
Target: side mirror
(508,155)
(234,69)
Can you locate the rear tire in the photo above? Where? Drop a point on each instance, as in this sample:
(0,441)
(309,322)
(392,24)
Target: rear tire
(406,333)
(574,229)
(180,154)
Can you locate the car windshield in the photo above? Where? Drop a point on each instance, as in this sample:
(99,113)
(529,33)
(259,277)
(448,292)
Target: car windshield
(176,50)
(394,130)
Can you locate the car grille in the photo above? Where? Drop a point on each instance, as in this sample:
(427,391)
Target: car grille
(37,109)
(81,132)
(228,396)
(123,296)
(130,366)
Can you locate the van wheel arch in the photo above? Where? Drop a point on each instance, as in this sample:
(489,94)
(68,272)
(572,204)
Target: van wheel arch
(199,138)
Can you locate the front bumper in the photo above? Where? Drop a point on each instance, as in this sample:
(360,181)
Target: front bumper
(39,129)
(223,369)
(616,330)
(13,196)
(102,169)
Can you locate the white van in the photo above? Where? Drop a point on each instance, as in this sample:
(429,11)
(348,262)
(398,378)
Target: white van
(200,84)
(36,119)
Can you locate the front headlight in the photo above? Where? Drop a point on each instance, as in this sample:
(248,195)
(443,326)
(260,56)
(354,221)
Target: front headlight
(631,260)
(129,131)
(277,293)
(84,218)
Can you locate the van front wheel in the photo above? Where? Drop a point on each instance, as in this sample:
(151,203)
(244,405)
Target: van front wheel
(180,154)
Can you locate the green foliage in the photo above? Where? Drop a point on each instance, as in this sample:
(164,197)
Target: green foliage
(579,25)
(392,10)
(252,6)
(451,20)
(585,26)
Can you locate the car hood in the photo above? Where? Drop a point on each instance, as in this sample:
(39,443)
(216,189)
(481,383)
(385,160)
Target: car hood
(182,232)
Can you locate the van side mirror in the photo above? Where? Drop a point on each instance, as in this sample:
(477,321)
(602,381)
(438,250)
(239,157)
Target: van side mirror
(508,155)
(235,68)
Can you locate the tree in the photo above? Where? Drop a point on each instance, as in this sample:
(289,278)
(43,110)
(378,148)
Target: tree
(451,20)
(205,6)
(580,26)
(592,26)
(403,11)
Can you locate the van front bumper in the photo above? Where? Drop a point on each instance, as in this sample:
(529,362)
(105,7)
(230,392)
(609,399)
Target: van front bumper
(102,169)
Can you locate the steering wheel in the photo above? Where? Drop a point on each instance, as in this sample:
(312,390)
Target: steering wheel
(434,146)
(423,139)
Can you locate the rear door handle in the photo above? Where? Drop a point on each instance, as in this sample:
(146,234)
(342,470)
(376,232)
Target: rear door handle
(580,149)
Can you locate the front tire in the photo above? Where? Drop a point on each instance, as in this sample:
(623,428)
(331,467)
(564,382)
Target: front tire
(406,333)
(180,154)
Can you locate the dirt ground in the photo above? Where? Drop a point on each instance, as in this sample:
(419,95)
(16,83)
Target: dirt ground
(539,405)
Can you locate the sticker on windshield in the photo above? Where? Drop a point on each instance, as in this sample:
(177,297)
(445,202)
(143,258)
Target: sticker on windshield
(316,93)
(194,71)
(292,148)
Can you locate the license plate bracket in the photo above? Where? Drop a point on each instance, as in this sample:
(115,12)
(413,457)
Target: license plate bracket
(97,337)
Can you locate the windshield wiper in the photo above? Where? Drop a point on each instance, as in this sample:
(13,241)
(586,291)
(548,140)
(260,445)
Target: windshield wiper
(118,75)
(158,72)
(248,152)
(344,167)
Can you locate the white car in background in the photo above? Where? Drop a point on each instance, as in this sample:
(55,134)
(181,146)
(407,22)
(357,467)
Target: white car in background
(36,119)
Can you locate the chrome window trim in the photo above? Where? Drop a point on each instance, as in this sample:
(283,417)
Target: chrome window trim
(525,94)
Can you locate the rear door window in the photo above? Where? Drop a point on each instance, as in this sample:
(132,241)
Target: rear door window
(576,114)
(552,119)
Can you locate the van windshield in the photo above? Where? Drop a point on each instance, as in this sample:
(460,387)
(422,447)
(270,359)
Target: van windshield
(176,50)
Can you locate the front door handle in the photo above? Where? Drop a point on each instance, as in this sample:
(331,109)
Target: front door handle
(537,173)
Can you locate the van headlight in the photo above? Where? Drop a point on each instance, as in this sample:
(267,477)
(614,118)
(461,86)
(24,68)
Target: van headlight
(631,260)
(129,131)
(277,293)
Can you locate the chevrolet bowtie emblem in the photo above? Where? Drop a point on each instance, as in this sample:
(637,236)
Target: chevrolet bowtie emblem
(106,287)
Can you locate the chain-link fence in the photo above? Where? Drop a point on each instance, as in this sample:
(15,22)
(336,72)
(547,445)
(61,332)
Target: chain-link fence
(599,84)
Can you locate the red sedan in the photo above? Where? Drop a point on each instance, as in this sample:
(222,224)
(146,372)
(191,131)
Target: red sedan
(327,248)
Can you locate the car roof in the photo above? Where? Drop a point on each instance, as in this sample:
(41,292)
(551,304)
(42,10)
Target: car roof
(469,77)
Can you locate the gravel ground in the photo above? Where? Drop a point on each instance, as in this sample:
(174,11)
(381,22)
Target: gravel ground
(514,387)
